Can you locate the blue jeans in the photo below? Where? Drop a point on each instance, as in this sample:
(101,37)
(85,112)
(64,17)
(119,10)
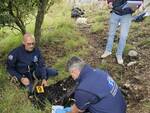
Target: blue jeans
(49,72)
(125,22)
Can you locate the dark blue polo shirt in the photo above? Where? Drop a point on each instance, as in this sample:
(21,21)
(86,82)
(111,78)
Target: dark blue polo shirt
(98,92)
(21,62)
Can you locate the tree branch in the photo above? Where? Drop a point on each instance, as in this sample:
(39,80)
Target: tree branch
(7,25)
(17,21)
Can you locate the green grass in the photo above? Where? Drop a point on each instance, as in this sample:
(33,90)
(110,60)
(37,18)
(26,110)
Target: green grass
(97,19)
(61,64)
(144,42)
(103,65)
(58,25)
(147,21)
(8,43)
(135,25)
(97,27)
(146,106)
(3,77)
(14,100)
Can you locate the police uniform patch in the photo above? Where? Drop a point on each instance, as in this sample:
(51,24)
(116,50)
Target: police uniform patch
(112,85)
(35,59)
(10,57)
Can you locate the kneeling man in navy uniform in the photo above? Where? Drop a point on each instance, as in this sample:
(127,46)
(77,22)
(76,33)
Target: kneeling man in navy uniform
(96,91)
(26,63)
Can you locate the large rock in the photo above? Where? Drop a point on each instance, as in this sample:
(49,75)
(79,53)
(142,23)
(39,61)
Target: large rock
(133,53)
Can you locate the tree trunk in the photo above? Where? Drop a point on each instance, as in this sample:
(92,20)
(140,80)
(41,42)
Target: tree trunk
(39,20)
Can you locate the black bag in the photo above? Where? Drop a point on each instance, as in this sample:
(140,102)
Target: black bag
(77,12)
(140,17)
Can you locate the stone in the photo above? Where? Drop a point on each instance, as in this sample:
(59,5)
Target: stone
(132,53)
(81,20)
(131,63)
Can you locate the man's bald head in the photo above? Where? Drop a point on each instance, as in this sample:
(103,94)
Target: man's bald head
(27,36)
(28,41)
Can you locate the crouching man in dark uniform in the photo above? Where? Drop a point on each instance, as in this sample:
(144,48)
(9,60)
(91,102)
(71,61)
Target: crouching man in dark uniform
(26,62)
(96,91)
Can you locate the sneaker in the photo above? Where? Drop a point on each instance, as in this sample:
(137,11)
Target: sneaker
(119,60)
(106,53)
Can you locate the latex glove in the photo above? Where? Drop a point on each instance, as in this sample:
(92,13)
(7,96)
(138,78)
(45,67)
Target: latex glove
(67,109)
(60,111)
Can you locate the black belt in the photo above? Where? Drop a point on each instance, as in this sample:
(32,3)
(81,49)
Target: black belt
(116,12)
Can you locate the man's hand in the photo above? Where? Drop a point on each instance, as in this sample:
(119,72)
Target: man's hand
(25,81)
(141,8)
(44,82)
(110,6)
(74,109)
